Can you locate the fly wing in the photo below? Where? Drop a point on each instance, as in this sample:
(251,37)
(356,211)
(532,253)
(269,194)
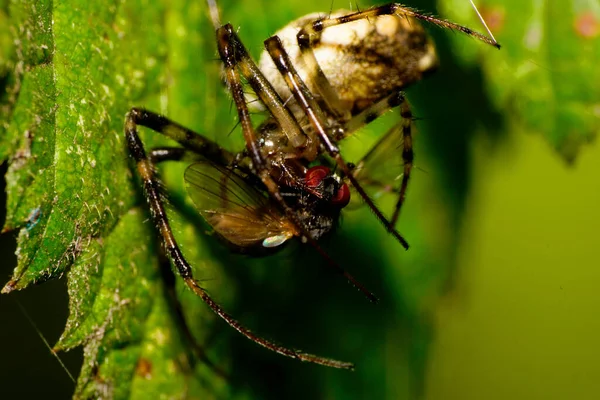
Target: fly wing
(236,210)
(381,169)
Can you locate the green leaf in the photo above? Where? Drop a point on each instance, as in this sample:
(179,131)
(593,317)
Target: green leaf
(73,73)
(544,77)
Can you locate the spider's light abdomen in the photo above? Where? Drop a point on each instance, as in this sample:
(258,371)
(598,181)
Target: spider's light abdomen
(363,61)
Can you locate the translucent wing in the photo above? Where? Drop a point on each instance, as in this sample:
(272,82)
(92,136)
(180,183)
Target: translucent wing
(381,168)
(237,211)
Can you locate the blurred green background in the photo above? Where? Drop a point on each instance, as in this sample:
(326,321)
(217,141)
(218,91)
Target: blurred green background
(497,296)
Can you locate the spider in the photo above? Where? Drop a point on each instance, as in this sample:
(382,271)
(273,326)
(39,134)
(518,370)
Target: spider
(320,78)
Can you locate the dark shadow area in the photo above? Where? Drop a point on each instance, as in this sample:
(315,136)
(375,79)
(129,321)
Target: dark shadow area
(302,303)
(28,369)
(453,107)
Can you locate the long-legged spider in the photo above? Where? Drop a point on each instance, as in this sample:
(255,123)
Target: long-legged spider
(321,78)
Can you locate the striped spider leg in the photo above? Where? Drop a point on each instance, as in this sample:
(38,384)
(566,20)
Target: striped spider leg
(399,164)
(215,170)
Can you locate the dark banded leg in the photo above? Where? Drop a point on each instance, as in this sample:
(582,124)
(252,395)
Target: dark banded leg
(162,154)
(399,136)
(310,34)
(407,156)
(146,172)
(373,112)
(155,156)
(168,278)
(189,139)
(325,133)
(235,56)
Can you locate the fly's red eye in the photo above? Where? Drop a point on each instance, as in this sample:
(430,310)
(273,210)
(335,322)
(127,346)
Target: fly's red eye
(342,197)
(315,175)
